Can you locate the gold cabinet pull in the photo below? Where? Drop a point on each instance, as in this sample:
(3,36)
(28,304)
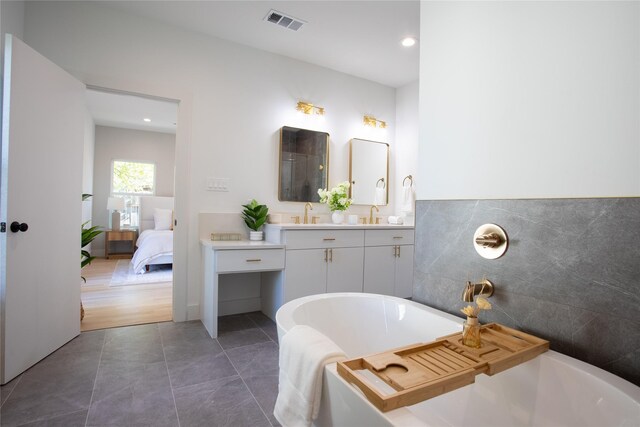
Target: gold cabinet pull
(254,260)
(325,254)
(398,251)
(329,239)
(330,255)
(395,251)
(397,237)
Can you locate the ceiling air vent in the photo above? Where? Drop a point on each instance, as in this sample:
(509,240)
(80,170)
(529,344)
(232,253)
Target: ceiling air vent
(283,20)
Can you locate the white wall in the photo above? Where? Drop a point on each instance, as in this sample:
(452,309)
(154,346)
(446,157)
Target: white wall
(238,98)
(406,152)
(529,99)
(89,150)
(134,145)
(87,168)
(11,22)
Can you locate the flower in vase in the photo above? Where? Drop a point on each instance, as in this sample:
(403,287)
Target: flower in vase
(337,198)
(481,303)
(471,336)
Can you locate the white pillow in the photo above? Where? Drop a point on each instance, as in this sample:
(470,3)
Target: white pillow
(162,219)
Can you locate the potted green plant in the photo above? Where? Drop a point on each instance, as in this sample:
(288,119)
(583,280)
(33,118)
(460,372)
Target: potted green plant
(255,215)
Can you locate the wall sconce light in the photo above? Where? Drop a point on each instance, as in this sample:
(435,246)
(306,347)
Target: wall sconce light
(307,108)
(373,122)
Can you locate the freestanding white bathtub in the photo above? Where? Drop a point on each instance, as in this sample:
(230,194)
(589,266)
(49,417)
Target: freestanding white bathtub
(550,390)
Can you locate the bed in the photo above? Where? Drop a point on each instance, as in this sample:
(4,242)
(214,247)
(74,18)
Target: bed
(155,241)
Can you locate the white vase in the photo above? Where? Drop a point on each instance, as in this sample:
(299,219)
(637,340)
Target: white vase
(255,235)
(337,217)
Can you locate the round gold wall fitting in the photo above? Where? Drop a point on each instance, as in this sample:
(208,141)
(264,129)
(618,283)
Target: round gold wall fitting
(490,241)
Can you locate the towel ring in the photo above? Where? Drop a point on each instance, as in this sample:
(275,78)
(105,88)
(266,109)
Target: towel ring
(408,177)
(383,183)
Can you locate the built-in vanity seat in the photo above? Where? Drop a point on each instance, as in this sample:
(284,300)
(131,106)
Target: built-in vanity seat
(297,260)
(232,257)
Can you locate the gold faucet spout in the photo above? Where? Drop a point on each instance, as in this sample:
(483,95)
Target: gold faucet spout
(468,292)
(371,213)
(307,207)
(484,289)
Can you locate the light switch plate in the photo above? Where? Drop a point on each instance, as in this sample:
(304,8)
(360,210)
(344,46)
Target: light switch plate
(218,184)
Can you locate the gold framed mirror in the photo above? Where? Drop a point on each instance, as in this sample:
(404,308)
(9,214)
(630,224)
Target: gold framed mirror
(303,164)
(369,172)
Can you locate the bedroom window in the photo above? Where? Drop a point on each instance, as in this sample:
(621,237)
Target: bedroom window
(130,180)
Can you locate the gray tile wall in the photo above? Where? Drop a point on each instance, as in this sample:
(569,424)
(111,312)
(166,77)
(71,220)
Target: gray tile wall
(571,274)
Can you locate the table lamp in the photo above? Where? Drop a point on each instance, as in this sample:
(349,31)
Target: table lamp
(115,204)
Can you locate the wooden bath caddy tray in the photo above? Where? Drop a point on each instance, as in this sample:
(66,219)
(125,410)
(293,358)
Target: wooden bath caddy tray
(421,371)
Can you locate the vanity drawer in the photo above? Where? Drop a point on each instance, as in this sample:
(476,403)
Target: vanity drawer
(388,237)
(249,260)
(309,239)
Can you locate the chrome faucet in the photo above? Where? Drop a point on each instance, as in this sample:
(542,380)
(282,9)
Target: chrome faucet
(483,289)
(307,208)
(371,213)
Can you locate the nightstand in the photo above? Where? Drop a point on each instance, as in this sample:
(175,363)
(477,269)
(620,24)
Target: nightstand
(126,235)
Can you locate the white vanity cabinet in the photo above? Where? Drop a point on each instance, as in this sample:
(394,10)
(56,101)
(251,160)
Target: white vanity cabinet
(320,261)
(388,262)
(321,258)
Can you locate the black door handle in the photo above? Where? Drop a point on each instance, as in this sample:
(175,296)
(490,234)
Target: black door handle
(16,226)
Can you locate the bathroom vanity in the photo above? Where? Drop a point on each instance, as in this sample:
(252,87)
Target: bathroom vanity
(323,258)
(298,260)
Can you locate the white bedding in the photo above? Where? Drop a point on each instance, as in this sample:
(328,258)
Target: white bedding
(152,244)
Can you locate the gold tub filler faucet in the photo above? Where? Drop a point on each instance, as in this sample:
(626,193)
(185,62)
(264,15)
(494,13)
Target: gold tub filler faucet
(484,289)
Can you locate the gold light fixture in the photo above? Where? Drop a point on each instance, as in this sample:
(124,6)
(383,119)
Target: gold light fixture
(373,122)
(307,108)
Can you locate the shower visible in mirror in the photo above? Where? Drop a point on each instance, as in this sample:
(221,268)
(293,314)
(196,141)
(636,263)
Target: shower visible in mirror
(304,164)
(369,172)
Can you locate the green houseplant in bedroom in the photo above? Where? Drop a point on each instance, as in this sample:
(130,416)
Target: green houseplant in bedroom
(88,235)
(255,215)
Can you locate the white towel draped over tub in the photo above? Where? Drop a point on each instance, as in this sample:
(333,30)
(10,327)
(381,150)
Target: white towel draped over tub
(304,352)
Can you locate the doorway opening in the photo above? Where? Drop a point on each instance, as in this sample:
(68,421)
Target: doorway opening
(129,169)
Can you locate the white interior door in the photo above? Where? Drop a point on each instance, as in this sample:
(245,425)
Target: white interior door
(41,186)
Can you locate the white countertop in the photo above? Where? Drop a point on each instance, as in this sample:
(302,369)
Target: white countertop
(239,244)
(328,226)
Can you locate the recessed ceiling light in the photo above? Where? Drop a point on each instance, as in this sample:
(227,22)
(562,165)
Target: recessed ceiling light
(146,119)
(408,41)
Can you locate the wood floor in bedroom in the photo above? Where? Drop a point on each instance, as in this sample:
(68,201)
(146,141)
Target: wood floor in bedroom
(113,306)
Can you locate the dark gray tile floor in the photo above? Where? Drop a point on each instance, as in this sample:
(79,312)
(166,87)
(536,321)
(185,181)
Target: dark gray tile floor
(163,374)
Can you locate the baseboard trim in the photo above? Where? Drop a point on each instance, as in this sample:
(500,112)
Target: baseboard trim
(99,253)
(193,312)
